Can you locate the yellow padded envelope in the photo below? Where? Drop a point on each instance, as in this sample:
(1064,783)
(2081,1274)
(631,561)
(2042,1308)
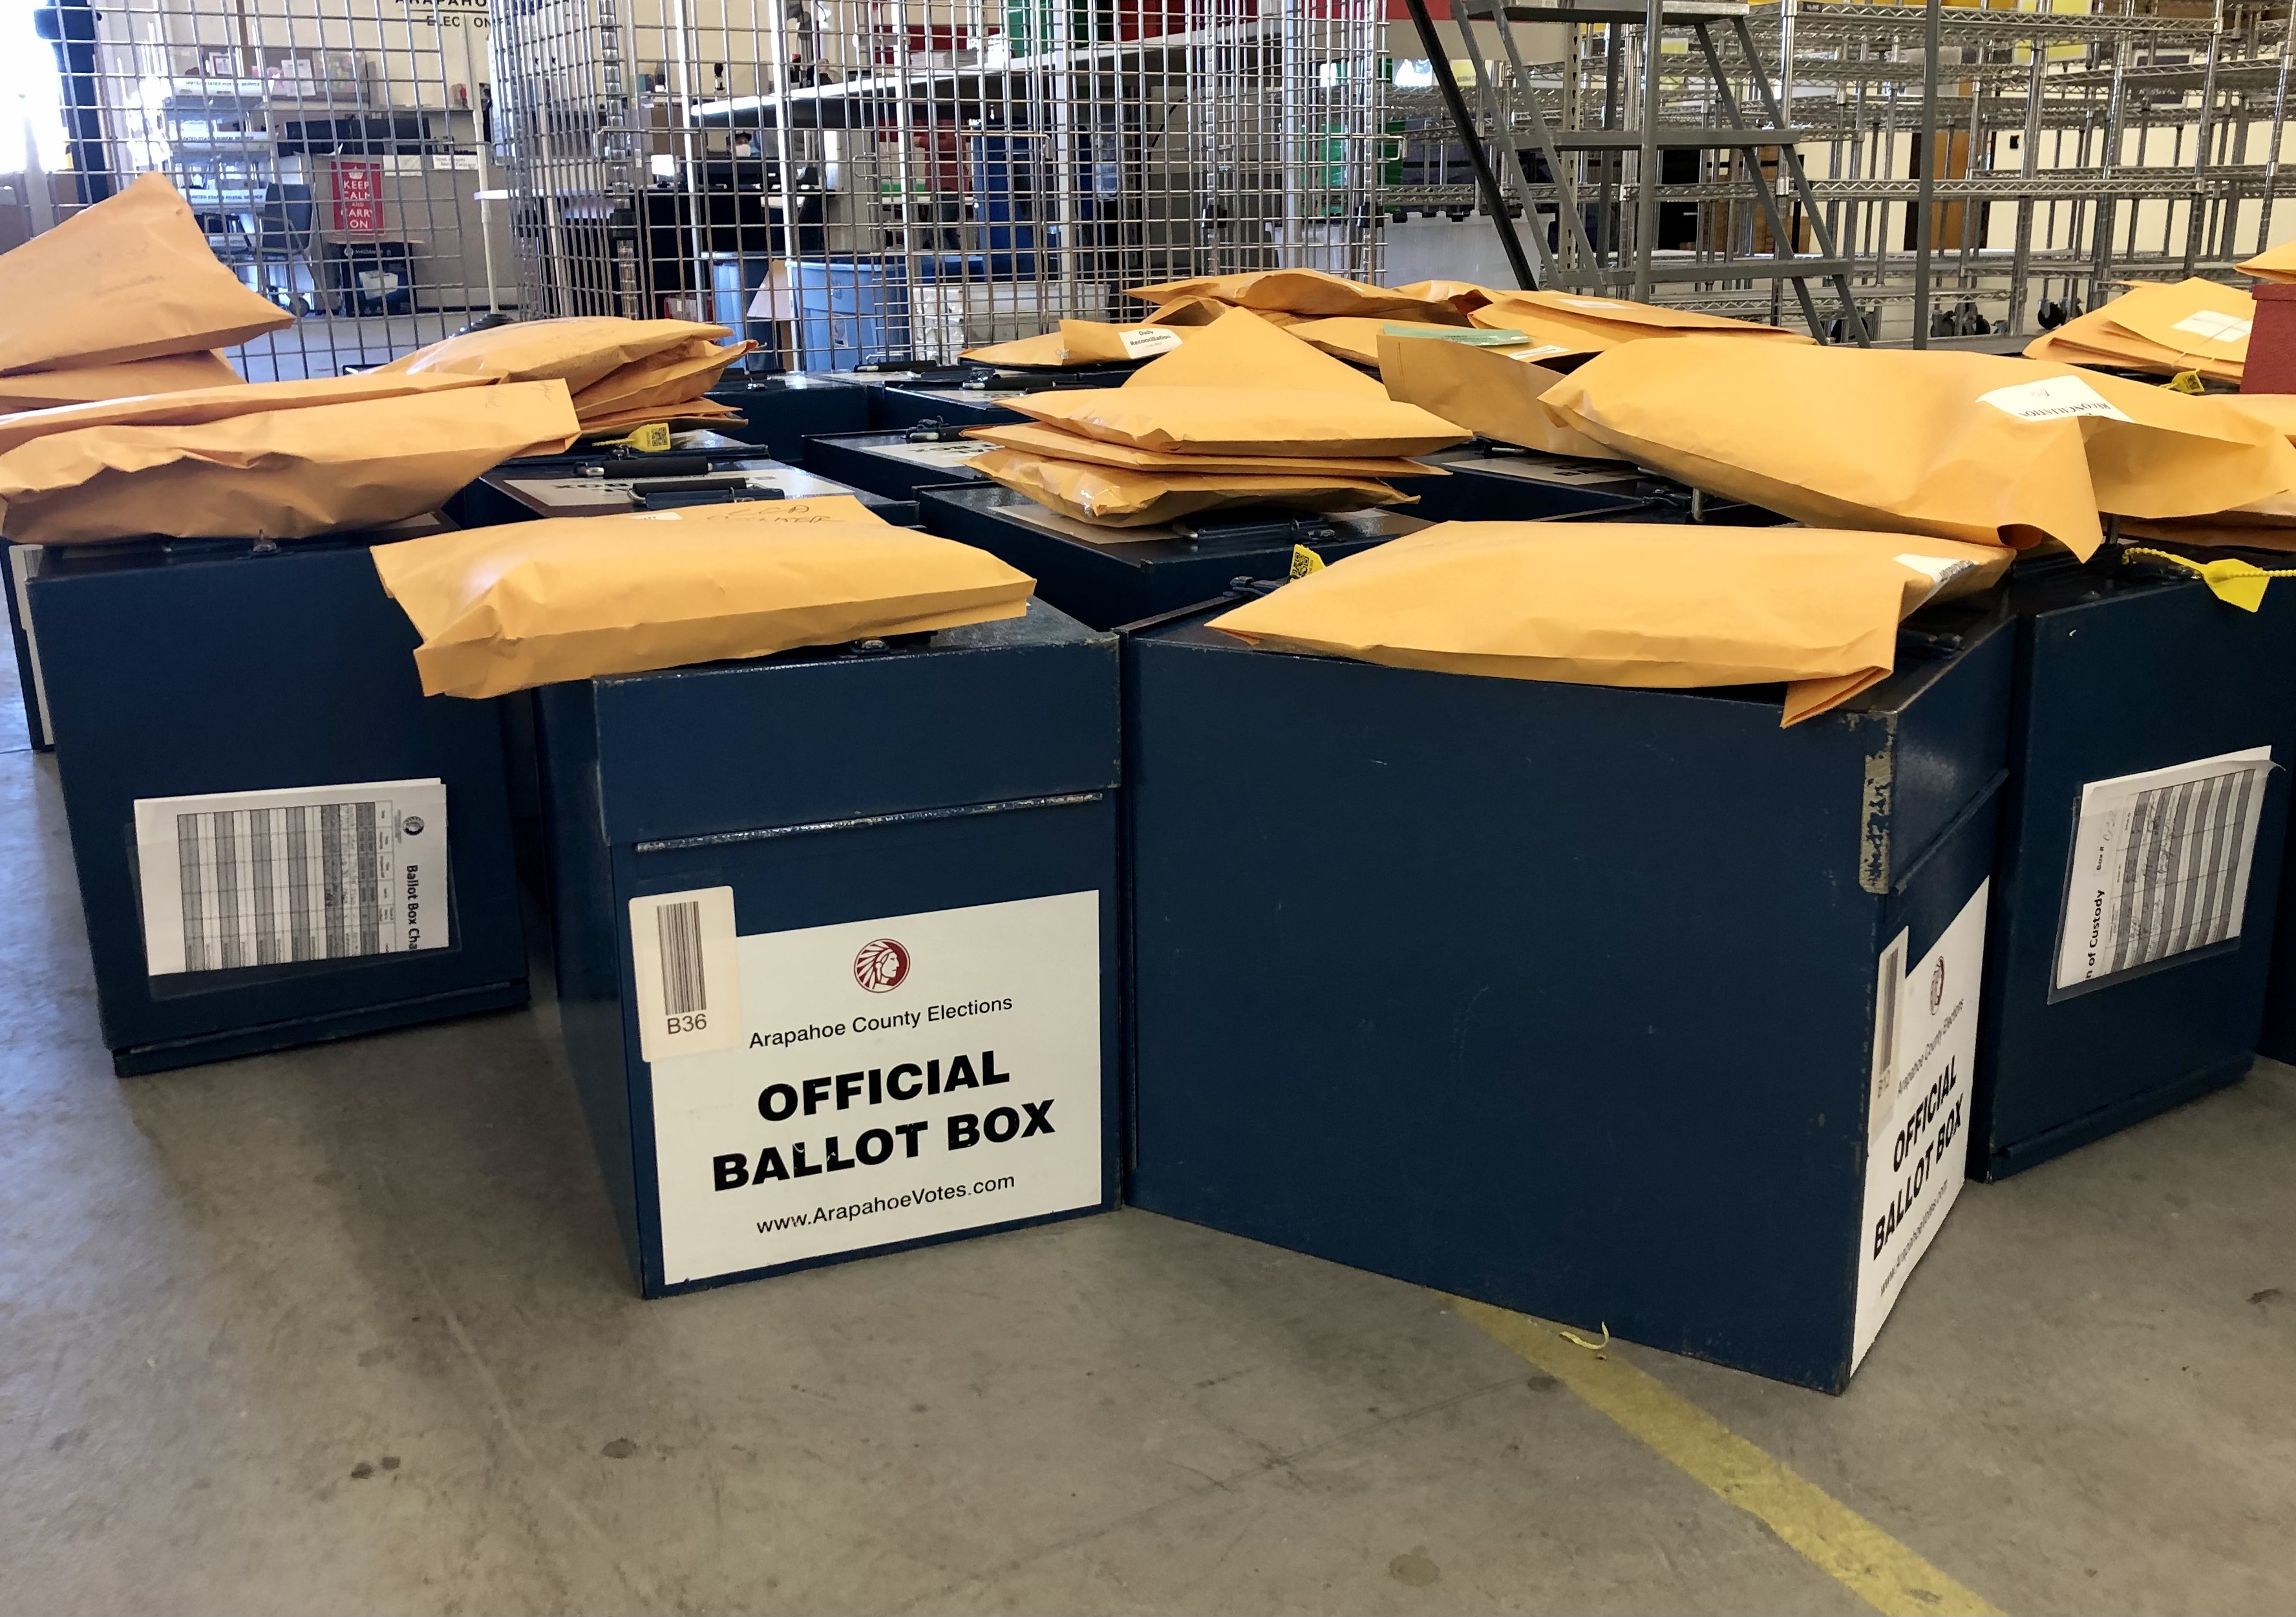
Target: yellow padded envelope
(1036,439)
(1117,496)
(2162,328)
(1665,607)
(357,462)
(1972,446)
(1309,292)
(131,278)
(1243,421)
(87,384)
(528,604)
(578,351)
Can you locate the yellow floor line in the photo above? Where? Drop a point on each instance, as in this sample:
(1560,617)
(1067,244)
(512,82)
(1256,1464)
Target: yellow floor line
(1830,1536)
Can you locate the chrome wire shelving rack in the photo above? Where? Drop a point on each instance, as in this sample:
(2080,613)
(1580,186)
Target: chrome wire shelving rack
(2076,151)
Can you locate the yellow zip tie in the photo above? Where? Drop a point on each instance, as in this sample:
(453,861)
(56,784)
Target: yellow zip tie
(1305,561)
(1571,1336)
(2230,580)
(2186,382)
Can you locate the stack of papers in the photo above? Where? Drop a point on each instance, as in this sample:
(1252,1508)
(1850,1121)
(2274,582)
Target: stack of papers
(2160,329)
(623,373)
(1243,414)
(122,299)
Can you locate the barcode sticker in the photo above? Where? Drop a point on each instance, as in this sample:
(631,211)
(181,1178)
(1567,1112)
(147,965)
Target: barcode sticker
(2160,867)
(237,879)
(1888,990)
(685,961)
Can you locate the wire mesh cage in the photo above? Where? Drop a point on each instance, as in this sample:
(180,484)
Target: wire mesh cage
(864,182)
(334,151)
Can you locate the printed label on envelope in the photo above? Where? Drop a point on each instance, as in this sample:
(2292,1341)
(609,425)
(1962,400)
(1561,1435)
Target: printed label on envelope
(1147,342)
(2212,326)
(2052,398)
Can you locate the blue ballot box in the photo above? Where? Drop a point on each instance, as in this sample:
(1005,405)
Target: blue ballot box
(837,943)
(2144,830)
(1490,482)
(779,413)
(898,464)
(967,399)
(1113,575)
(278,838)
(1621,1007)
(2277,1038)
(560,488)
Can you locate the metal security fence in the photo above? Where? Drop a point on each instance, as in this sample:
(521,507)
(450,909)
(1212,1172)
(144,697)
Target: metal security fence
(850,182)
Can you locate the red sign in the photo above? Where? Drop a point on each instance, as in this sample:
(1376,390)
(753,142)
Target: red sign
(358,197)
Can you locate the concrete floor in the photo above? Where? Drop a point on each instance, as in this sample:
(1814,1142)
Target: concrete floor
(348,1329)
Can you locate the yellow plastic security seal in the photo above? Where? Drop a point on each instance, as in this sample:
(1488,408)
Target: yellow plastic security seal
(651,439)
(2239,583)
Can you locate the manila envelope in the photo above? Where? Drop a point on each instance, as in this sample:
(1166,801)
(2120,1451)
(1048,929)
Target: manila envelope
(1578,324)
(1188,311)
(281,474)
(131,278)
(1354,338)
(194,407)
(578,351)
(844,509)
(87,384)
(1243,421)
(1083,342)
(2191,325)
(1650,605)
(697,411)
(1303,291)
(1242,349)
(2124,351)
(673,376)
(2274,264)
(1115,496)
(1491,391)
(1034,438)
(1466,296)
(528,604)
(1046,350)
(1972,446)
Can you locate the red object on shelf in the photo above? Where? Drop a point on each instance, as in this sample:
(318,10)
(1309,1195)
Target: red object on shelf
(2271,367)
(358,197)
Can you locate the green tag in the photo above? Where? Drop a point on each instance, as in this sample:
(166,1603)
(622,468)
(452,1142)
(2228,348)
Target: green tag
(1470,335)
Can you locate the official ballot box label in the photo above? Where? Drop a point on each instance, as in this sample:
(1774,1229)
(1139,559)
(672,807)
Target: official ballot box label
(885,1081)
(1924,1046)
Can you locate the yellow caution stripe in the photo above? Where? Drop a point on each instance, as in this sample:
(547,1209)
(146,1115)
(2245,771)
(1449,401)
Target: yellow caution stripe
(1828,1534)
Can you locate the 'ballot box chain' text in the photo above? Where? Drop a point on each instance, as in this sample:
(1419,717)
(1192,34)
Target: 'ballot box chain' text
(870,1082)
